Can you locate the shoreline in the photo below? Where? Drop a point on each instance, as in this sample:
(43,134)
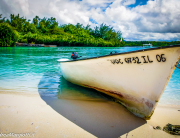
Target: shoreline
(43,45)
(33,45)
(51,117)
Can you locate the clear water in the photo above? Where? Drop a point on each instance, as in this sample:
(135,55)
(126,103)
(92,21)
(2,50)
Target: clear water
(36,70)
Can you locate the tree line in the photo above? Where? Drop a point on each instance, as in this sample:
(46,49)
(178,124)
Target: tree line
(48,31)
(154,43)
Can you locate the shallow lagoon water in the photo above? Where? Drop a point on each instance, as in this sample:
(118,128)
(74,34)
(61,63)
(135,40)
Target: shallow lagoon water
(36,70)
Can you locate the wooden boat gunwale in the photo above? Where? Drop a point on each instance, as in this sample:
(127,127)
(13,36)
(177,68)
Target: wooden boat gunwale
(123,53)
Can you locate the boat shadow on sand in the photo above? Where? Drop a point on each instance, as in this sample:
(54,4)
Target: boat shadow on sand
(93,111)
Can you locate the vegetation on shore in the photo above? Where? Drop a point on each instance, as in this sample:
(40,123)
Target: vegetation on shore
(47,31)
(8,36)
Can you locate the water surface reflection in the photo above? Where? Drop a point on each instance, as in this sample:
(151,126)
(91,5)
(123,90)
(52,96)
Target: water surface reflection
(53,84)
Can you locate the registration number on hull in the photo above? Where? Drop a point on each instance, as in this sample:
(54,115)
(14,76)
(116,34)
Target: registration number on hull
(138,60)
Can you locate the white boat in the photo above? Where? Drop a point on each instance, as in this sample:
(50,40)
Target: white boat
(148,45)
(137,79)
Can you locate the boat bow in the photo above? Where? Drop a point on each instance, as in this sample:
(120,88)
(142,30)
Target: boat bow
(137,79)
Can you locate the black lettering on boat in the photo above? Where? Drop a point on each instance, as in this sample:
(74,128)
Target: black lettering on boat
(127,60)
(149,59)
(138,62)
(134,59)
(113,61)
(163,58)
(160,58)
(144,59)
(116,61)
(119,61)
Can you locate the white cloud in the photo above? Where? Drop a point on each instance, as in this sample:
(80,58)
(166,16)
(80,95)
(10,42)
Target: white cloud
(121,13)
(159,12)
(24,4)
(139,36)
(129,2)
(71,12)
(157,20)
(100,3)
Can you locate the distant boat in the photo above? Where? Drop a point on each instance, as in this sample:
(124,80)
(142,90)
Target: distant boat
(147,44)
(137,78)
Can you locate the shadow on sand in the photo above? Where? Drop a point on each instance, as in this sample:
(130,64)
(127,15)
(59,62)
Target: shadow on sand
(87,108)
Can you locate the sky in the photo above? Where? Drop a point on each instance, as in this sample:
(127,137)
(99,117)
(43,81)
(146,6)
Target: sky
(138,20)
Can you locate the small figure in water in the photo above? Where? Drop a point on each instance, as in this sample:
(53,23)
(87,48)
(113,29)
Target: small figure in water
(74,55)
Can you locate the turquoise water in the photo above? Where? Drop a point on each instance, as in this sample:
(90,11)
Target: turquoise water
(36,70)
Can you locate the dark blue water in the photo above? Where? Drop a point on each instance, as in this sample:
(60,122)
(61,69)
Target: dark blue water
(36,70)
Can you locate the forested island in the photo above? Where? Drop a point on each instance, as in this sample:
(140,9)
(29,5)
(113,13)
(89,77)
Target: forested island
(47,31)
(154,43)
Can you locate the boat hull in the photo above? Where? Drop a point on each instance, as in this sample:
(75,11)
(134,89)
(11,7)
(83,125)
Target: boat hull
(136,79)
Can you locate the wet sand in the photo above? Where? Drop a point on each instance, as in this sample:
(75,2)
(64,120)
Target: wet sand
(52,117)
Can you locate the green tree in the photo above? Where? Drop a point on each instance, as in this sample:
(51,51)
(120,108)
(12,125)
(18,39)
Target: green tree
(28,27)
(47,31)
(36,20)
(8,36)
(53,23)
(2,20)
(17,22)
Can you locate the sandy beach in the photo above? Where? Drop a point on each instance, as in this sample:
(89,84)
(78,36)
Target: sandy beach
(28,113)
(38,116)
